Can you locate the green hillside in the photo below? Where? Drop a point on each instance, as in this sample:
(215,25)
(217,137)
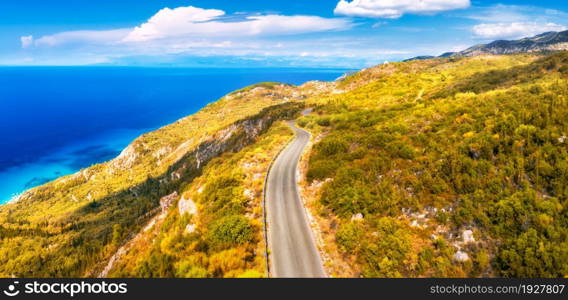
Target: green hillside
(457,167)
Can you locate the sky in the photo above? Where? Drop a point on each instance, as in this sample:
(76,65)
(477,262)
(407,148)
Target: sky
(260,33)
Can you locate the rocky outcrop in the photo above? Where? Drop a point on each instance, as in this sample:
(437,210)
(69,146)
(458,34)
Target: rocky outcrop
(187,206)
(460,256)
(126,159)
(167,201)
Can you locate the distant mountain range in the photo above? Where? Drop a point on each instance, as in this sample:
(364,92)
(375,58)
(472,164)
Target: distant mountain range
(549,41)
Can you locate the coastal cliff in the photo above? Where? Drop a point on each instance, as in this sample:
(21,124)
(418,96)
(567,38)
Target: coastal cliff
(67,227)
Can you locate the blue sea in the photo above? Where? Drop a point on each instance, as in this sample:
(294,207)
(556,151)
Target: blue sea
(55,121)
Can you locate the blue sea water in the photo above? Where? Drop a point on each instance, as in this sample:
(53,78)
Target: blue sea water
(56,120)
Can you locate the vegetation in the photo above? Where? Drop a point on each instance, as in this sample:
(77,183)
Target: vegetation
(431,151)
(227,239)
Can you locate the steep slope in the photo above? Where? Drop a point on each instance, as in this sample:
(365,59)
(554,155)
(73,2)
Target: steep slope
(444,167)
(215,228)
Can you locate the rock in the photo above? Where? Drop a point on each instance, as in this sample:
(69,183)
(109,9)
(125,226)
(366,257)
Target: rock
(249,193)
(474,153)
(150,225)
(126,159)
(414,223)
(166,201)
(461,256)
(175,175)
(190,228)
(468,236)
(187,206)
(158,154)
(357,217)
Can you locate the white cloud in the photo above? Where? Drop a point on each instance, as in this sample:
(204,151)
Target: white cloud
(193,27)
(82,37)
(392,9)
(197,22)
(501,13)
(195,32)
(26,41)
(514,30)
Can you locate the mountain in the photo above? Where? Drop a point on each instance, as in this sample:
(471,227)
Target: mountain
(428,168)
(422,57)
(549,41)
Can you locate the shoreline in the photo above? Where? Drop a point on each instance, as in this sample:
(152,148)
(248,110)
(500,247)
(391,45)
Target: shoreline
(18,179)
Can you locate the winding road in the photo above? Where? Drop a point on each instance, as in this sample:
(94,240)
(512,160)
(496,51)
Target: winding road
(293,251)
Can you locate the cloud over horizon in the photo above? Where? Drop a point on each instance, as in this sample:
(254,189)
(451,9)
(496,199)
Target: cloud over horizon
(362,32)
(191,23)
(514,30)
(197,22)
(394,9)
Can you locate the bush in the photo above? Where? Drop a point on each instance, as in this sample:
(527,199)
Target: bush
(321,169)
(223,196)
(350,236)
(232,230)
(379,140)
(401,150)
(333,146)
(325,121)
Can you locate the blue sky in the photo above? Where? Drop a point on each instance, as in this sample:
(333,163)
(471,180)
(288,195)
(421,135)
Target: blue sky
(255,33)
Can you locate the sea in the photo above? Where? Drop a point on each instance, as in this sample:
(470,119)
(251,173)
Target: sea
(54,121)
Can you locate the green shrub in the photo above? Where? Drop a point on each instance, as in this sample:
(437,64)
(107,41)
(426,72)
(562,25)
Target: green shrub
(321,169)
(329,147)
(350,236)
(232,230)
(401,150)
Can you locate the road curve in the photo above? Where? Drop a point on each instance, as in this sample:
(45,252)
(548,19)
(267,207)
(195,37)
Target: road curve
(293,251)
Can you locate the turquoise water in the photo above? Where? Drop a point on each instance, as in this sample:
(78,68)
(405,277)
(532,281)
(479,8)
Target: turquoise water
(55,121)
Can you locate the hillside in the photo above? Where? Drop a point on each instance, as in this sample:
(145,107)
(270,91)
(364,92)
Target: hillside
(442,167)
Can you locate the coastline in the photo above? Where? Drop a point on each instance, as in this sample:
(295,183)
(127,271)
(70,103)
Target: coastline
(68,159)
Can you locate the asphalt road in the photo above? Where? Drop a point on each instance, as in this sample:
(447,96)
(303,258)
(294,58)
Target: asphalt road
(293,251)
